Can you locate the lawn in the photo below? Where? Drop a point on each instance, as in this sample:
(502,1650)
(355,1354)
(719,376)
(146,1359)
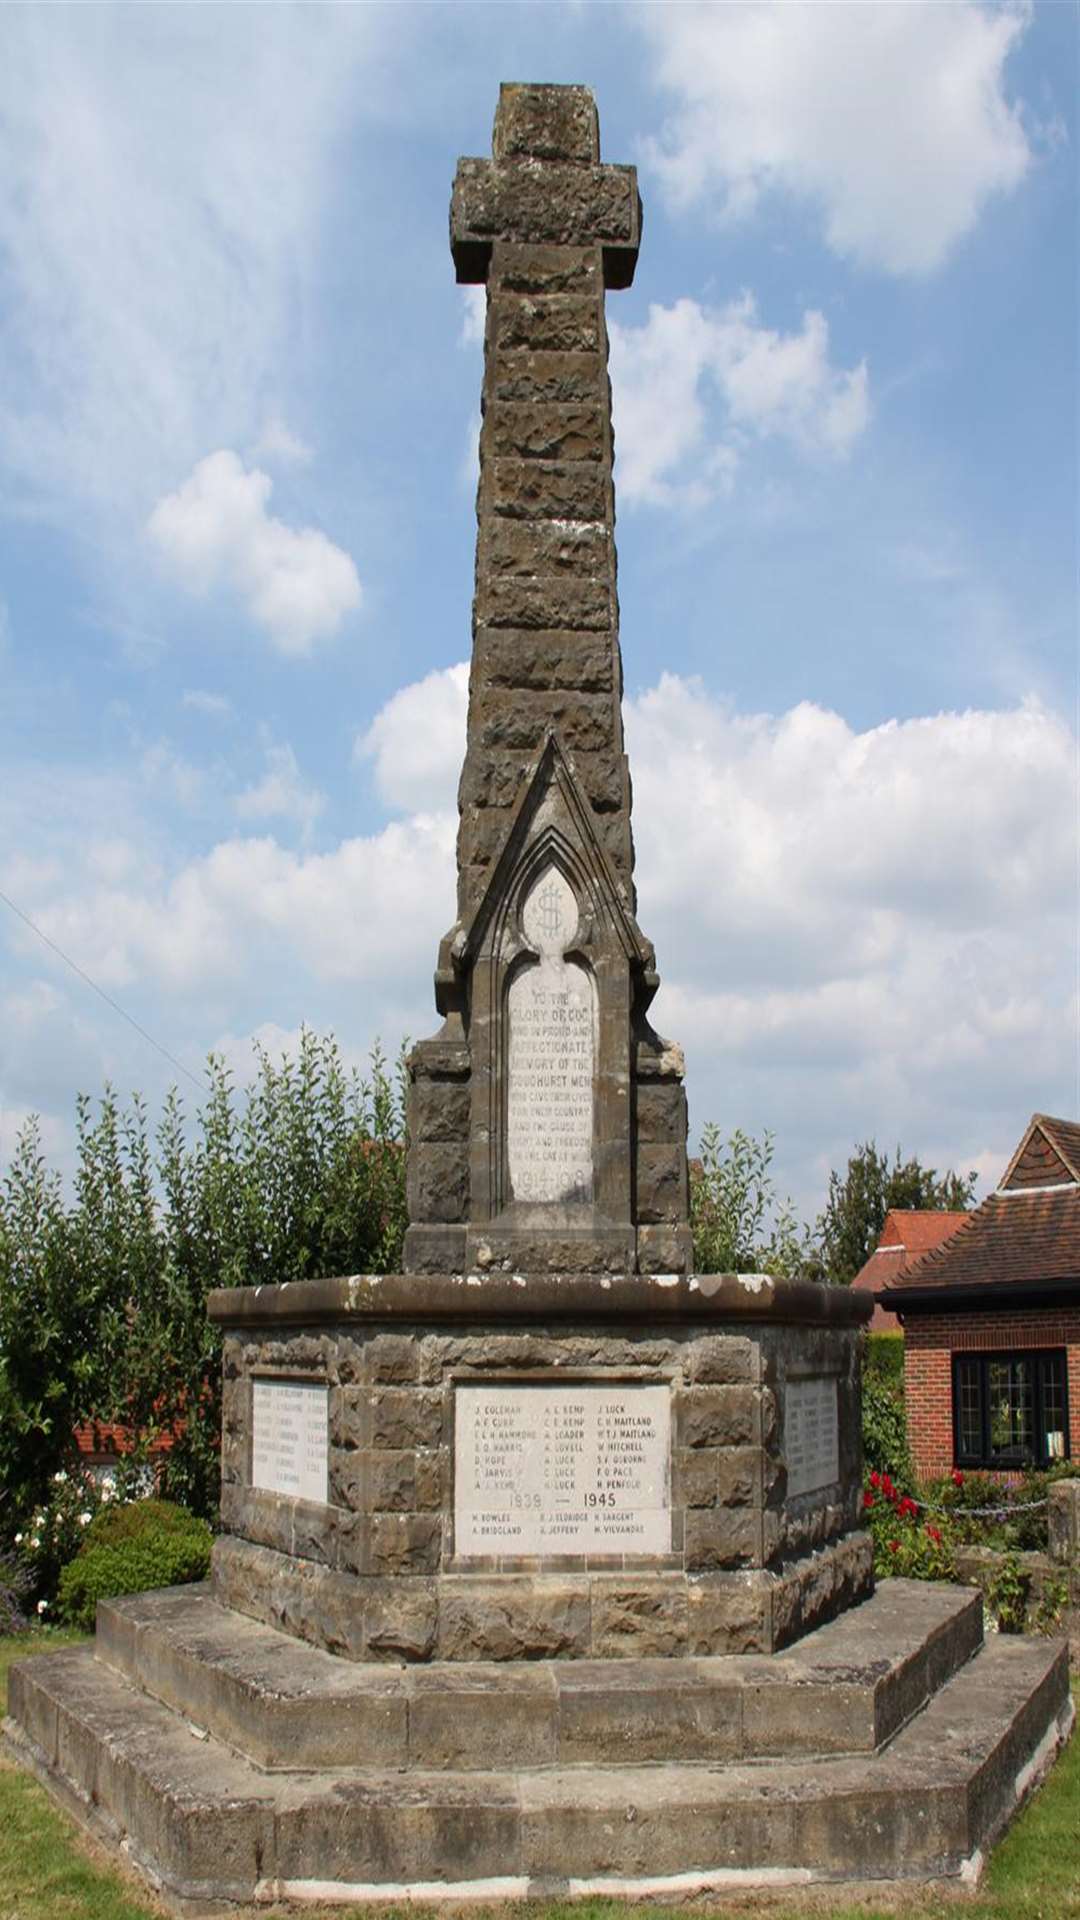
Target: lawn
(50,1871)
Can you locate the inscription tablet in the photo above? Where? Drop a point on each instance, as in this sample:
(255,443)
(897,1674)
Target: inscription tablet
(811,1433)
(289,1421)
(562,1469)
(551,1013)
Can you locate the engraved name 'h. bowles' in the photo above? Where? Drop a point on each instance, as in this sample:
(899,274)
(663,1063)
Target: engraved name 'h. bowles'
(547,1120)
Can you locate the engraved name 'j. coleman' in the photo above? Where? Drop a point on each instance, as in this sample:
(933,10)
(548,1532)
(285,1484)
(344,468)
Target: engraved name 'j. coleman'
(552,1052)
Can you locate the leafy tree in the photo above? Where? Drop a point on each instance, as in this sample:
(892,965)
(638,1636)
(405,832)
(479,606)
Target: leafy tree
(858,1201)
(103,1301)
(737,1223)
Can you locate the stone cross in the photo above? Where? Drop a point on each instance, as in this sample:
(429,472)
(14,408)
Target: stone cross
(547,227)
(547,1120)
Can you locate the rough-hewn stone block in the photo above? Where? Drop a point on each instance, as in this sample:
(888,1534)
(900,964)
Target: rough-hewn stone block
(567,379)
(522,720)
(552,601)
(545,432)
(661,1184)
(550,489)
(438,1182)
(406,1417)
(640,1616)
(720,1537)
(721,1359)
(579,549)
(514,1618)
(717,1416)
(406,1542)
(555,323)
(728,1613)
(519,268)
(438,1110)
(509,658)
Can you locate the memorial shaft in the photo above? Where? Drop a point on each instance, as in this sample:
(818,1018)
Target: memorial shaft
(547,228)
(547,1120)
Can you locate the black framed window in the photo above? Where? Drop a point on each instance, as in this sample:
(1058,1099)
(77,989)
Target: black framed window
(1010,1409)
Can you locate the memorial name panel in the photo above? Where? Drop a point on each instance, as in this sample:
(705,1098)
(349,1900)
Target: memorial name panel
(289,1436)
(550,1097)
(812,1433)
(567,1470)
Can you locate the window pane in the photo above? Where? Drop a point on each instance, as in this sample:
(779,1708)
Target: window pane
(968,1410)
(1010,1389)
(1054,1402)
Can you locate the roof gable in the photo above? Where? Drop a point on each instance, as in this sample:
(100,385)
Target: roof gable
(1048,1156)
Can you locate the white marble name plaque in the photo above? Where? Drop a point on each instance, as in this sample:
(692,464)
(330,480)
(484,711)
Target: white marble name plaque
(812,1433)
(551,1011)
(568,1470)
(289,1423)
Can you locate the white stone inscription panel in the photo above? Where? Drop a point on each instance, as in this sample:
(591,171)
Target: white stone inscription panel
(551,1012)
(554,1469)
(811,1433)
(289,1430)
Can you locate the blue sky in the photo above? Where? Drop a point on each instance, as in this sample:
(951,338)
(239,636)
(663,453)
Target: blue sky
(238,400)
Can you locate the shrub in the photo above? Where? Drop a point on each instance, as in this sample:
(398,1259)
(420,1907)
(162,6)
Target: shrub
(883,1360)
(15,1588)
(905,1542)
(129,1549)
(1009,1516)
(103,1293)
(55,1530)
(884,1432)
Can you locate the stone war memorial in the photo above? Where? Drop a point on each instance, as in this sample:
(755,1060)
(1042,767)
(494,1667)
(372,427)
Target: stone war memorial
(541,1568)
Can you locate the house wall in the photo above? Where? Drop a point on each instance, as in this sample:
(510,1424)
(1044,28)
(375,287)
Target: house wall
(930,1340)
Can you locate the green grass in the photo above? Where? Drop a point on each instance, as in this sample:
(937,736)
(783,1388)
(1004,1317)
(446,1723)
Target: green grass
(50,1871)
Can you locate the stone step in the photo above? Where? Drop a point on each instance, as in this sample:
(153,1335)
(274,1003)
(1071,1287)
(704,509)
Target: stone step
(208,1825)
(845,1688)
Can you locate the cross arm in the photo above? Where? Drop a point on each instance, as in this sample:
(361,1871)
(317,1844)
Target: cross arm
(547,203)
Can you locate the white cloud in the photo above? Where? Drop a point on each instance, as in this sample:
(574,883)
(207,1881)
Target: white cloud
(859,933)
(669,376)
(893,120)
(279,446)
(215,531)
(216,706)
(282,793)
(417,742)
(164,191)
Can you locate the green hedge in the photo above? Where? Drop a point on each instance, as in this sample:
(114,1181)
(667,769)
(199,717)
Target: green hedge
(883,1359)
(129,1549)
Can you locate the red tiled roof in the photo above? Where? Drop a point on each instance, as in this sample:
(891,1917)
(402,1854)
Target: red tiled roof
(905,1236)
(1021,1238)
(1048,1154)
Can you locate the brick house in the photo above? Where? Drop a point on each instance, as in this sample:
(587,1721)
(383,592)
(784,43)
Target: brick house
(991,1319)
(906,1235)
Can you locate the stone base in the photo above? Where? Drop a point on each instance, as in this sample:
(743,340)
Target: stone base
(752,1548)
(233,1763)
(575,1615)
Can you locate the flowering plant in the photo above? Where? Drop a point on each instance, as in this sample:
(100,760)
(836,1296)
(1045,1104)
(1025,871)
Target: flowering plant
(55,1530)
(904,1543)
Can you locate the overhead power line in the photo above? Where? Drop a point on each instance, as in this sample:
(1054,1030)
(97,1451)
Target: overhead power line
(101,993)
